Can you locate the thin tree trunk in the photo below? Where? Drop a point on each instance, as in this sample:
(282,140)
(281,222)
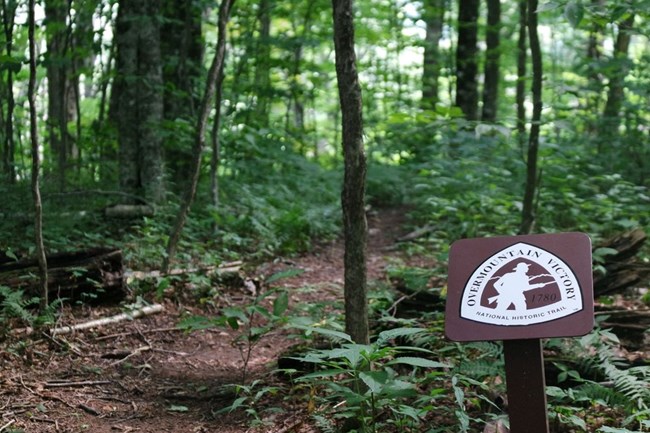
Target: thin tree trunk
(466,58)
(434,11)
(263,64)
(216,70)
(355,226)
(36,193)
(216,143)
(616,95)
(9,164)
(492,57)
(521,73)
(532,177)
(297,92)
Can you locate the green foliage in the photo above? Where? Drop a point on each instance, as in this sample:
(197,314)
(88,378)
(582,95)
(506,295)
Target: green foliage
(376,381)
(14,305)
(604,381)
(248,399)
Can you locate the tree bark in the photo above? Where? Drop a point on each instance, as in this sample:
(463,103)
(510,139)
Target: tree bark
(9,147)
(492,62)
(216,70)
(36,192)
(355,226)
(61,107)
(182,51)
(263,64)
(521,73)
(139,104)
(532,176)
(434,12)
(466,59)
(616,95)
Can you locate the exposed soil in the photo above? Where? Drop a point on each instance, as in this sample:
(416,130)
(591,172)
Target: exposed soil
(145,375)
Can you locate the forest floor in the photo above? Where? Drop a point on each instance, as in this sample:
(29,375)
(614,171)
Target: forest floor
(146,375)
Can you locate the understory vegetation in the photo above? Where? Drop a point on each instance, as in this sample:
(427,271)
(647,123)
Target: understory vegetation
(270,173)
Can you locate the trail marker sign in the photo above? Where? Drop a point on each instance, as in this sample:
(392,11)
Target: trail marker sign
(520,289)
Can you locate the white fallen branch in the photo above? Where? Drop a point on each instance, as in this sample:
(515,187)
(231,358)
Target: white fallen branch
(144,311)
(227,268)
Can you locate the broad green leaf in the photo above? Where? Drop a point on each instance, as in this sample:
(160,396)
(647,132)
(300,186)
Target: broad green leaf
(375,380)
(235,313)
(281,304)
(574,12)
(547,7)
(418,362)
(320,374)
(326,332)
(284,274)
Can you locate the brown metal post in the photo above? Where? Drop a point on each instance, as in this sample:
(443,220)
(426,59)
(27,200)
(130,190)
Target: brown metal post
(526,386)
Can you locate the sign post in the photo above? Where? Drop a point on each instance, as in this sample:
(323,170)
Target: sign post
(521,289)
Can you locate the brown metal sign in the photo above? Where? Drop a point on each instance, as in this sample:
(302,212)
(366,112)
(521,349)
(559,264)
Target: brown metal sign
(520,287)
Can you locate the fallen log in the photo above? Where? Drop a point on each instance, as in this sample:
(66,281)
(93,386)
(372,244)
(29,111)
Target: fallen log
(94,276)
(129,211)
(144,311)
(621,269)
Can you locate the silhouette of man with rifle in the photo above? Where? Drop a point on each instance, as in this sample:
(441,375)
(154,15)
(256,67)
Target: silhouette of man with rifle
(512,287)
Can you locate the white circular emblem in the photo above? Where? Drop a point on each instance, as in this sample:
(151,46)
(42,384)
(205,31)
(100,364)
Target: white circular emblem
(521,285)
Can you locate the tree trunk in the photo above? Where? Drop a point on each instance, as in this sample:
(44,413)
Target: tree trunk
(532,177)
(355,226)
(215,139)
(466,59)
(9,148)
(297,89)
(36,192)
(139,98)
(434,12)
(263,64)
(61,102)
(521,73)
(213,81)
(615,95)
(182,51)
(492,65)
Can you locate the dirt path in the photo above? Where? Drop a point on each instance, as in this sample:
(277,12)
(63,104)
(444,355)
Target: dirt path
(146,376)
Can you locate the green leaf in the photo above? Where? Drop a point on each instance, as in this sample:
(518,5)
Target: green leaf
(397,332)
(281,304)
(574,12)
(289,273)
(375,380)
(326,332)
(418,362)
(577,421)
(352,352)
(195,323)
(9,253)
(319,374)
(547,7)
(235,313)
(233,322)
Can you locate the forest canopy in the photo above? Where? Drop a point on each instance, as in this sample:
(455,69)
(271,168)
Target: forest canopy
(447,106)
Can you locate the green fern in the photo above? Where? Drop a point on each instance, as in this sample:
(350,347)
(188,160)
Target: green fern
(15,305)
(631,383)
